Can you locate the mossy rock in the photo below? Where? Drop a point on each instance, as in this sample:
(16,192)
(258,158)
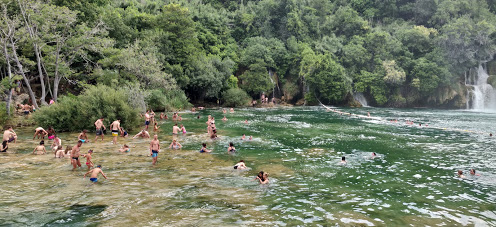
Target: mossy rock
(492,80)
(491,67)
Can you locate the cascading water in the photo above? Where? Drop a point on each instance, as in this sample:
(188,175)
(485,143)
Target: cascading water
(481,95)
(360,98)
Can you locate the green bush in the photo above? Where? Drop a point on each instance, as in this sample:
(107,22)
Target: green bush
(3,113)
(235,97)
(167,100)
(74,113)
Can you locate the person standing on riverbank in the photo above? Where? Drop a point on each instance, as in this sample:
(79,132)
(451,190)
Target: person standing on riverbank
(99,125)
(154,149)
(75,155)
(115,127)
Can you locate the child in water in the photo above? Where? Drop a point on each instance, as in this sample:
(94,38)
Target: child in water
(263,178)
(155,127)
(231,148)
(125,148)
(94,174)
(204,149)
(89,163)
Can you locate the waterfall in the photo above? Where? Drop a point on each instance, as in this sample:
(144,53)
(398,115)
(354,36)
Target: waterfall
(481,95)
(360,98)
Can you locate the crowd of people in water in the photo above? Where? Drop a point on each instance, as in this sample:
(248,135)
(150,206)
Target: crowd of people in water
(74,152)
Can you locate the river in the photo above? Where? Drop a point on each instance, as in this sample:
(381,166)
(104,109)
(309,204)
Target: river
(412,181)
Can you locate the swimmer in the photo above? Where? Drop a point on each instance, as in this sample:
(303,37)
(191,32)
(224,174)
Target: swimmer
(179,118)
(343,160)
(243,137)
(154,149)
(240,165)
(198,117)
(89,163)
(262,177)
(231,110)
(75,155)
(83,137)
(231,148)
(125,148)
(224,119)
(224,111)
(490,134)
(174,116)
(246,121)
(147,120)
(472,172)
(204,149)
(56,145)
(175,145)
(9,135)
(175,129)
(251,138)
(460,174)
(183,129)
(99,125)
(193,109)
(40,132)
(116,130)
(201,108)
(155,127)
(162,116)
(142,134)
(94,174)
(373,155)
(368,114)
(5,146)
(40,148)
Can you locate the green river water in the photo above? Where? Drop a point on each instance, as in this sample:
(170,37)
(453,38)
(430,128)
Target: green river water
(412,182)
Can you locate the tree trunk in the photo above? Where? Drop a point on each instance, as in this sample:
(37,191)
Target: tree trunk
(19,65)
(57,78)
(40,74)
(9,73)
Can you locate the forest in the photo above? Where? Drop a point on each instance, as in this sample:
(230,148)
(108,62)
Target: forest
(165,55)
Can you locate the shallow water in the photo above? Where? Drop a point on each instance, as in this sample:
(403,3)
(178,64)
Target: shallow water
(412,182)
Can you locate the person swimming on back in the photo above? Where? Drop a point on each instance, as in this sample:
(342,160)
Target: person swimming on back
(460,174)
(231,148)
(204,149)
(40,148)
(125,148)
(240,165)
(94,174)
(175,145)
